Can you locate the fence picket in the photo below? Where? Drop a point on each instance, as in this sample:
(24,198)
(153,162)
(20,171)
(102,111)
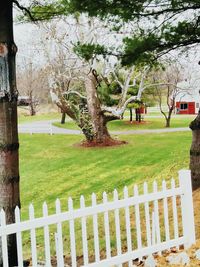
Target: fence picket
(84,232)
(107,228)
(174,209)
(33,237)
(117,225)
(107,208)
(156,214)
(153,229)
(147,216)
(4,240)
(187,207)
(137,220)
(128,225)
(166,213)
(19,238)
(46,237)
(72,234)
(59,236)
(95,230)
(57,249)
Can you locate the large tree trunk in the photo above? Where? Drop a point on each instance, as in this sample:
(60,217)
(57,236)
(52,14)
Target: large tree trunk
(195,152)
(9,170)
(98,120)
(79,115)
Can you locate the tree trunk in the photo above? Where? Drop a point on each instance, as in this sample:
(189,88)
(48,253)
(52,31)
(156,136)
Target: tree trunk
(100,131)
(9,165)
(167,125)
(195,152)
(131,114)
(79,115)
(32,106)
(63,118)
(32,109)
(168,118)
(137,115)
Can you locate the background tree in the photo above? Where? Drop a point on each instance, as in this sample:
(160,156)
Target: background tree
(76,81)
(80,80)
(167,90)
(33,84)
(174,25)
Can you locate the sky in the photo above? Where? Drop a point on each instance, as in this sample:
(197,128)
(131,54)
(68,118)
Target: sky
(27,38)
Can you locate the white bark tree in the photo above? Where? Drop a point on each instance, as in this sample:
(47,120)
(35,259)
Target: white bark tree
(74,82)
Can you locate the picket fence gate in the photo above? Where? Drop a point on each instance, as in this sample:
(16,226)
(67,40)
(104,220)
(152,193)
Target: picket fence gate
(143,215)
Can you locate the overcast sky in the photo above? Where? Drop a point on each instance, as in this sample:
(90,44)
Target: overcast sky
(27,37)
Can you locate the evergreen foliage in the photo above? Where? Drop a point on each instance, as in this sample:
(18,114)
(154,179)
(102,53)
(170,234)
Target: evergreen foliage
(163,25)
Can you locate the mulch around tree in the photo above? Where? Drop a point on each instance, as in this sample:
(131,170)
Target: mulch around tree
(137,122)
(106,143)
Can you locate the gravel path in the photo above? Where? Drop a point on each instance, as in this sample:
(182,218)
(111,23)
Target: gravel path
(47,127)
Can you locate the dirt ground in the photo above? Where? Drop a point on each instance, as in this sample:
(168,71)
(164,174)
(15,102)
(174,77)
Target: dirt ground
(161,261)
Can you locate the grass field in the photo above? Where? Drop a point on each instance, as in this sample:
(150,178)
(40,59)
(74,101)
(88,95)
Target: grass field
(22,118)
(54,167)
(124,125)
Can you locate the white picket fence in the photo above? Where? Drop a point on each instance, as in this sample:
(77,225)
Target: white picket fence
(120,230)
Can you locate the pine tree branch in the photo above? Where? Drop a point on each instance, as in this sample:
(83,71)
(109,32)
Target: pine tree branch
(24,9)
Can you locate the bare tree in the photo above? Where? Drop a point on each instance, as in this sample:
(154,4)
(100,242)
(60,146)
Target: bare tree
(75,82)
(33,84)
(166,89)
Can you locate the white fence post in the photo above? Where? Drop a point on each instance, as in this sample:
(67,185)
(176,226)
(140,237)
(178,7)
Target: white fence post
(187,207)
(59,237)
(19,238)
(4,240)
(33,237)
(46,237)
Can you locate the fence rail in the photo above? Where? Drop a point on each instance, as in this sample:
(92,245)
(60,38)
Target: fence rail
(157,221)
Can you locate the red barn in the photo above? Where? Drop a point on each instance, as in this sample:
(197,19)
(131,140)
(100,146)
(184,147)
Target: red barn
(187,107)
(187,101)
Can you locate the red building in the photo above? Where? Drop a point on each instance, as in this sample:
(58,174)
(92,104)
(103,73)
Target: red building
(188,98)
(143,109)
(187,107)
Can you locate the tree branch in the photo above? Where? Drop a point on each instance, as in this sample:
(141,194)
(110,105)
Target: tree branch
(24,9)
(75,93)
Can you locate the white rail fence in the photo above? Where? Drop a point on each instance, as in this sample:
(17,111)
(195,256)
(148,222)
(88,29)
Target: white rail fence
(113,232)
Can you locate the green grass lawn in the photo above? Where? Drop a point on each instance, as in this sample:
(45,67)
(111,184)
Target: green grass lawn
(22,118)
(54,167)
(124,125)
